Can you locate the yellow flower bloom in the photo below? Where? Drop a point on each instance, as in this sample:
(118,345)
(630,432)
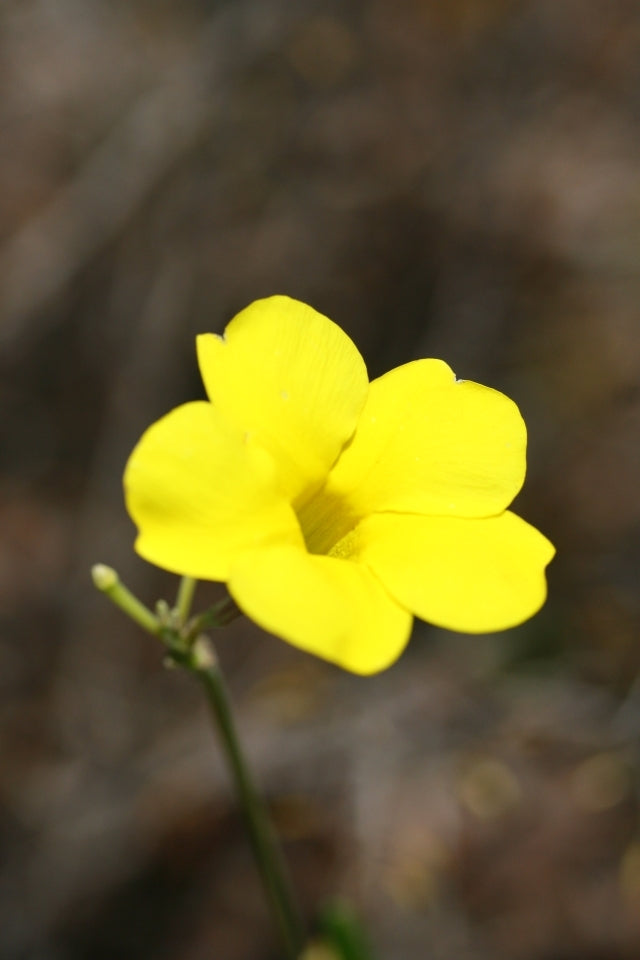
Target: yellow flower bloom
(336,509)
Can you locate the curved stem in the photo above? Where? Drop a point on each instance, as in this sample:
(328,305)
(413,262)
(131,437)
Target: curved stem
(108,582)
(203,664)
(188,649)
(184,599)
(219,615)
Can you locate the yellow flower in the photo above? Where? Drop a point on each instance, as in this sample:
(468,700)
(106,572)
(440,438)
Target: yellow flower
(336,509)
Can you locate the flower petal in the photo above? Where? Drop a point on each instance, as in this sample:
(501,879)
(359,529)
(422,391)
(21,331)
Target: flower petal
(290,378)
(475,576)
(199,493)
(334,609)
(428,443)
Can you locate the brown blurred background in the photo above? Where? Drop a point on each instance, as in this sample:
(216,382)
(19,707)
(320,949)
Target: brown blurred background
(456,179)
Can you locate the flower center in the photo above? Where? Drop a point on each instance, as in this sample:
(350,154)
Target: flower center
(325,518)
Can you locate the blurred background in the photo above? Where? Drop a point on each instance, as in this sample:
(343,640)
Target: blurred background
(455,179)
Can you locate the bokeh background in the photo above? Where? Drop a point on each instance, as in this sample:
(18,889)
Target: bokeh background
(454,179)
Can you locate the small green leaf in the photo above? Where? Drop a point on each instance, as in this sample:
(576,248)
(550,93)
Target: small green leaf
(342,931)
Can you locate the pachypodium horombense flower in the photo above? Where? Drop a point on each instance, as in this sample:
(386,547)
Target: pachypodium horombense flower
(336,509)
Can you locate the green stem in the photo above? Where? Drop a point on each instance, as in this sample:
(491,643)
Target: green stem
(270,864)
(190,650)
(108,582)
(184,599)
(219,615)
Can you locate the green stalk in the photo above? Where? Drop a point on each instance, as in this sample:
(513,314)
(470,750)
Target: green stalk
(188,648)
(219,615)
(108,582)
(203,663)
(184,599)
